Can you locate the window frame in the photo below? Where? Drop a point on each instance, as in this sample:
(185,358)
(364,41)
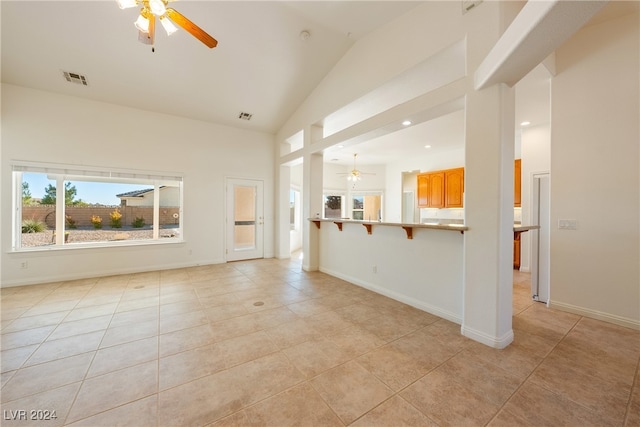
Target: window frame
(364,194)
(343,202)
(62,173)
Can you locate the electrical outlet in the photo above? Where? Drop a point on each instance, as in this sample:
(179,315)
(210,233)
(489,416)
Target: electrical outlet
(375,269)
(24,264)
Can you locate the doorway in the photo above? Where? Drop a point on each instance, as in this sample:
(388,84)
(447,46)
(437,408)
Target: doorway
(245,219)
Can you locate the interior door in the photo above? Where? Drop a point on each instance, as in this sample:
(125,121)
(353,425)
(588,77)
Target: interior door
(245,219)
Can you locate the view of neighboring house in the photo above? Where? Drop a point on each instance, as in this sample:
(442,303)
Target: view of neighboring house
(169,196)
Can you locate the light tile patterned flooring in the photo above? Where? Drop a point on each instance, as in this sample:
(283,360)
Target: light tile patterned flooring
(262,343)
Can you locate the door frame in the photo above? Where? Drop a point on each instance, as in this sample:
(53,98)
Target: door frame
(229,252)
(541,239)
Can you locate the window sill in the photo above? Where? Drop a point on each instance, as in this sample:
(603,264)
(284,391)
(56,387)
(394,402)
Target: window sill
(100,245)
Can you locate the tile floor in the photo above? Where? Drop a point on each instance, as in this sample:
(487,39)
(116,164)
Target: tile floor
(262,343)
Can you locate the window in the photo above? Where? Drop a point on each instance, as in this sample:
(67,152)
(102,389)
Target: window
(333,205)
(99,207)
(357,209)
(367,206)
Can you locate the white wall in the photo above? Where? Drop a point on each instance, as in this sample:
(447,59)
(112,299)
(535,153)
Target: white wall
(595,173)
(45,127)
(387,262)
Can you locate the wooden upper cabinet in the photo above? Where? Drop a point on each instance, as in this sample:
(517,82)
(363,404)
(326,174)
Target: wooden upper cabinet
(517,184)
(423,190)
(434,193)
(454,188)
(436,190)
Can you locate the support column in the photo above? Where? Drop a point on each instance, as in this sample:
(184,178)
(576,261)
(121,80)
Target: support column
(488,251)
(312,185)
(283,235)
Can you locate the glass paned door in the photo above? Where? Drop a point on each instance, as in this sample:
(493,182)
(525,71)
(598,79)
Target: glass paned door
(245,221)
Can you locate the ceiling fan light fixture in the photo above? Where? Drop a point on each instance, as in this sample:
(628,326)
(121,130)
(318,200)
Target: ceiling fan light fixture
(142,23)
(168,25)
(126,4)
(157,7)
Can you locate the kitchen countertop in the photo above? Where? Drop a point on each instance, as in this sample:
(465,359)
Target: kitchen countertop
(517,228)
(456,227)
(522,228)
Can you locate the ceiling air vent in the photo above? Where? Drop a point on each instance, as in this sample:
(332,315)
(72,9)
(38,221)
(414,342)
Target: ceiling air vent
(75,78)
(245,116)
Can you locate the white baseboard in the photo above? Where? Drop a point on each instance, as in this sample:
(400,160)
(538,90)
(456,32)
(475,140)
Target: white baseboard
(436,311)
(106,272)
(595,314)
(495,342)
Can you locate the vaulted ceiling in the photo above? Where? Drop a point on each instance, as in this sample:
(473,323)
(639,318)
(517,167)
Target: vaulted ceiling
(262,65)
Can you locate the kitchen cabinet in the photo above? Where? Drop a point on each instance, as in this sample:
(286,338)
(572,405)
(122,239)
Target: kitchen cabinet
(441,189)
(517,184)
(454,187)
(423,190)
(431,191)
(516,252)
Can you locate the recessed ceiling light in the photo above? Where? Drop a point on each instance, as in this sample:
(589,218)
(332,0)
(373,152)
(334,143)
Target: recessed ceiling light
(406,123)
(427,146)
(525,123)
(340,146)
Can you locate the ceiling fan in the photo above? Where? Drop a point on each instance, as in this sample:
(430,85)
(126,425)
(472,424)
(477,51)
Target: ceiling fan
(146,22)
(355,174)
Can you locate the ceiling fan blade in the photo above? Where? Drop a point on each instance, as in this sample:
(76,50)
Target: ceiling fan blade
(144,37)
(148,38)
(191,28)
(152,27)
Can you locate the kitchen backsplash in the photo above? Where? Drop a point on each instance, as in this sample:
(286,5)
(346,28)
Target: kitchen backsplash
(455,216)
(439,216)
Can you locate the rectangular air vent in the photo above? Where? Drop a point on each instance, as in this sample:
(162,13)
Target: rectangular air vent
(75,78)
(245,116)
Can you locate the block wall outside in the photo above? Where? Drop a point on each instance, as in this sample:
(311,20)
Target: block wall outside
(82,215)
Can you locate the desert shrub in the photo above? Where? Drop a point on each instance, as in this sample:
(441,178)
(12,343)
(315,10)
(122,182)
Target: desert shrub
(138,222)
(116,219)
(33,226)
(71,223)
(96,221)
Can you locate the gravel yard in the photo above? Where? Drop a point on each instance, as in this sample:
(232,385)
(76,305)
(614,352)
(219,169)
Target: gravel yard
(78,236)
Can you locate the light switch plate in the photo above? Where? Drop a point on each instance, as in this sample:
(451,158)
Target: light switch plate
(567,224)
